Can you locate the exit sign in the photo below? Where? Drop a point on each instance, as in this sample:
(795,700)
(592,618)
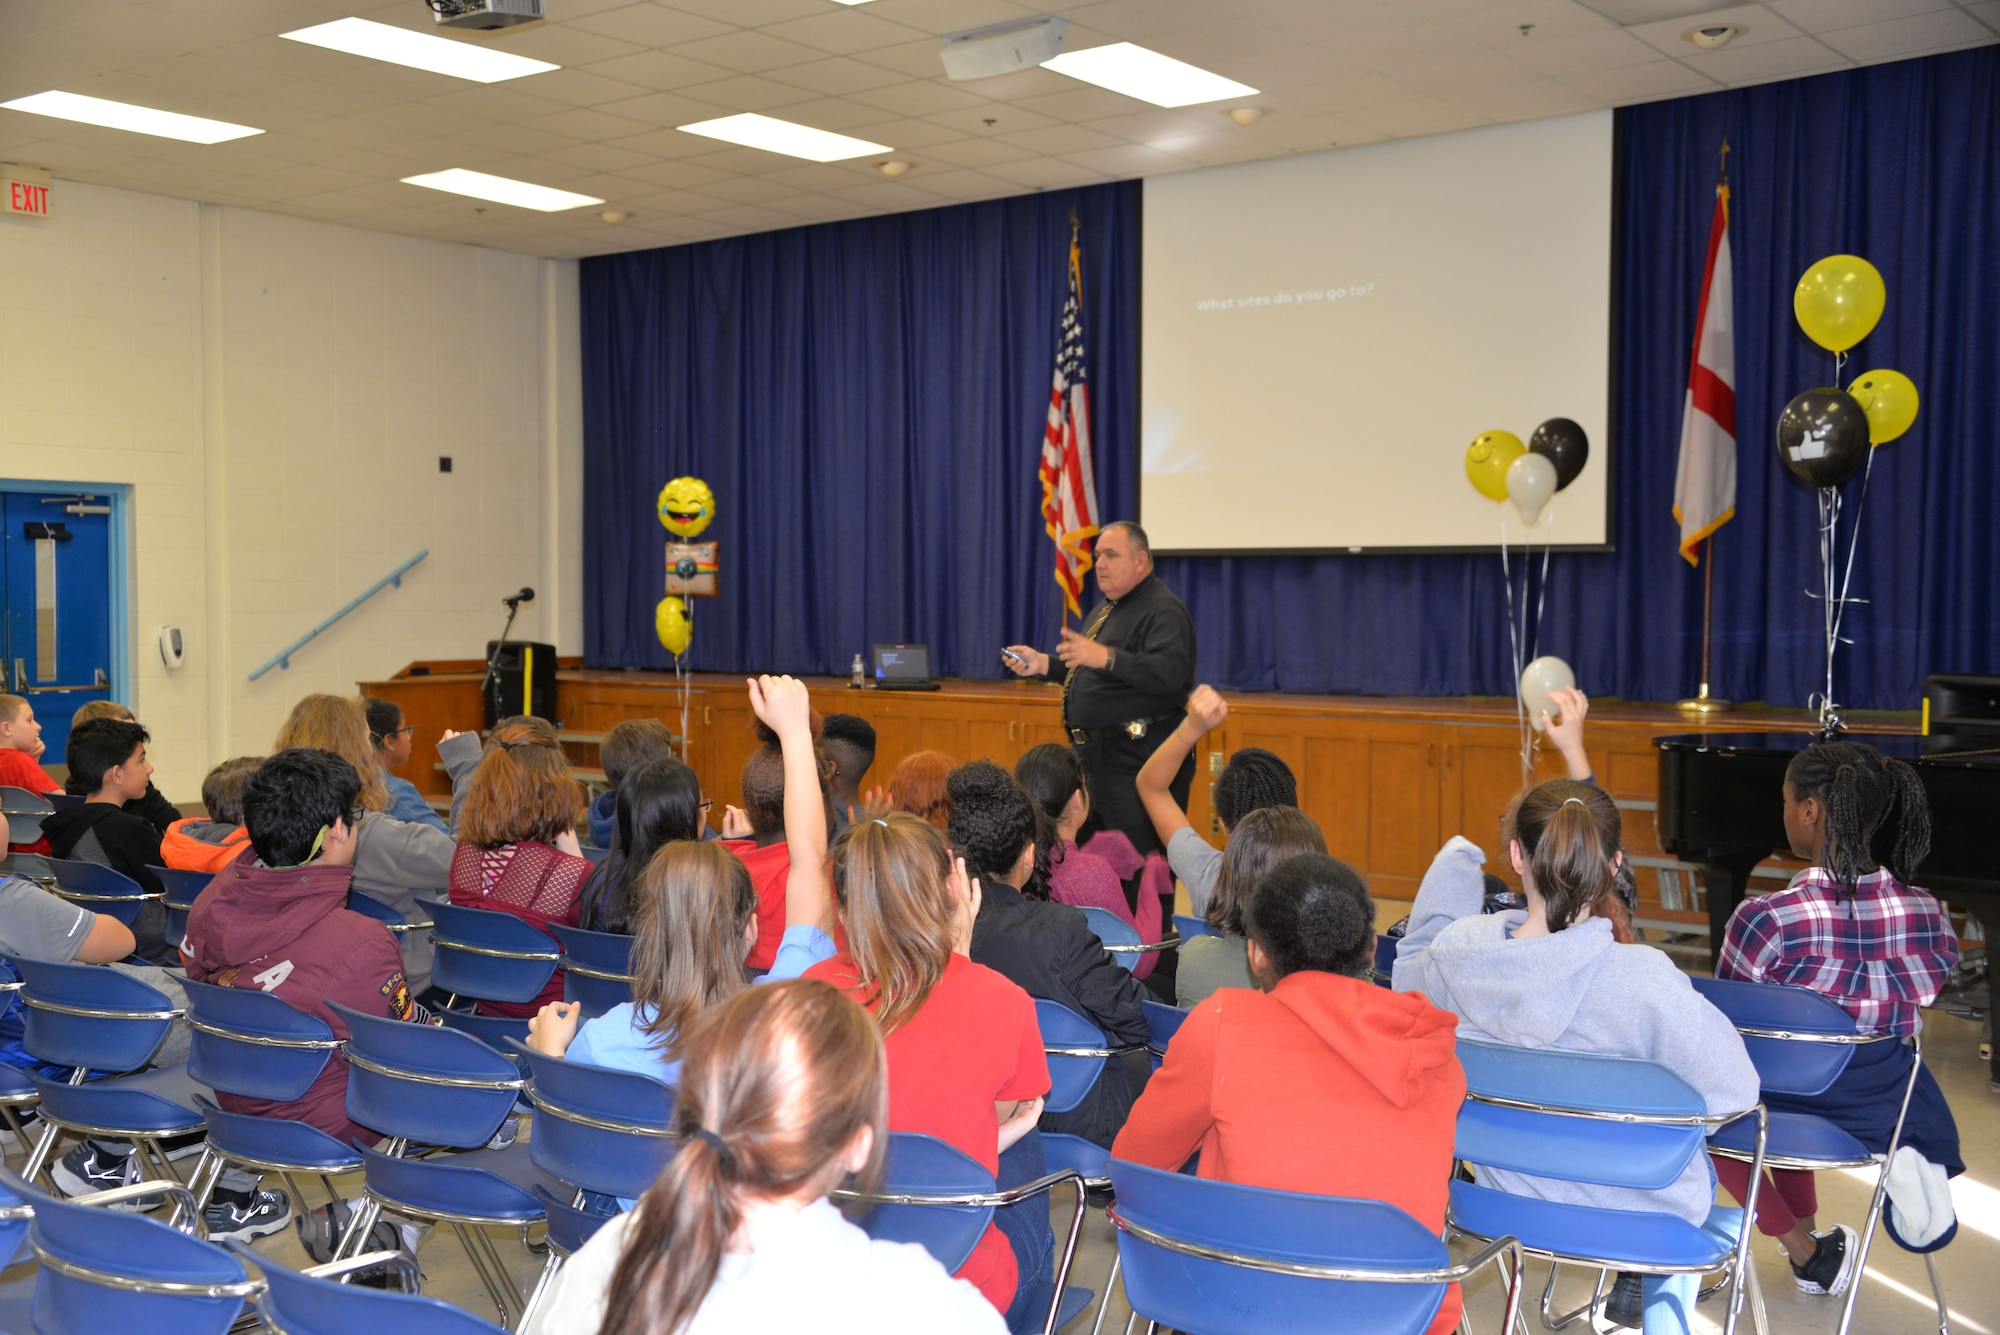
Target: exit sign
(26,197)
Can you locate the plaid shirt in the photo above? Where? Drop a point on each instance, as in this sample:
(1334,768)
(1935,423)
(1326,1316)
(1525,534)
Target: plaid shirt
(1880,954)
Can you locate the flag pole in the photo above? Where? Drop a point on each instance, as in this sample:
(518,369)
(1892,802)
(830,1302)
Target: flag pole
(1703,702)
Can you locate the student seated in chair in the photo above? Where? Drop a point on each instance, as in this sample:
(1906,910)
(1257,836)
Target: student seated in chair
(21,749)
(150,806)
(658,803)
(1254,1078)
(783,1096)
(276,919)
(108,768)
(1267,837)
(1867,939)
(1565,973)
(211,842)
(757,832)
(629,746)
(393,739)
(849,744)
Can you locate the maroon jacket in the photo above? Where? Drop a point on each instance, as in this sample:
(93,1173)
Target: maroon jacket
(289,932)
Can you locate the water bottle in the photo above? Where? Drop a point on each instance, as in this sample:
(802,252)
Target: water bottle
(855,685)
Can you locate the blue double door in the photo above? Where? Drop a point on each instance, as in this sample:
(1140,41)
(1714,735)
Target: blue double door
(55,634)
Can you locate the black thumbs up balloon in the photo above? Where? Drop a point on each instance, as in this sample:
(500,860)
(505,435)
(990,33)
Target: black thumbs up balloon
(1563,444)
(1823,436)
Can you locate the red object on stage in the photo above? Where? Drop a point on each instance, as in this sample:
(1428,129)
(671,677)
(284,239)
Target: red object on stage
(1705,484)
(1069,484)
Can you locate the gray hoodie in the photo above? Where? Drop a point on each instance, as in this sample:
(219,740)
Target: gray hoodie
(1576,990)
(407,865)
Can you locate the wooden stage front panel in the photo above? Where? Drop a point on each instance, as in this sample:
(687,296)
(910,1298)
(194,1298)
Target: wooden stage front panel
(1388,778)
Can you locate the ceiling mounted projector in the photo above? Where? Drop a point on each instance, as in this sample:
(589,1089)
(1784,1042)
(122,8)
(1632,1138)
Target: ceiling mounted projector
(1003,48)
(485,15)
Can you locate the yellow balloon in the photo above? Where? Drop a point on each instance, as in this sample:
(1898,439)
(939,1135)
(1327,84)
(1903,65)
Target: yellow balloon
(1486,461)
(1890,400)
(686,506)
(1839,300)
(670,620)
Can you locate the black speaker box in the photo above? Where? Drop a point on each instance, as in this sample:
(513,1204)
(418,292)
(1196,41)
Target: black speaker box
(523,680)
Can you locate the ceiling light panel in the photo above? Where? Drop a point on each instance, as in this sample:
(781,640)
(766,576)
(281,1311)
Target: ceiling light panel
(126,116)
(419,51)
(1146,75)
(775,136)
(502,190)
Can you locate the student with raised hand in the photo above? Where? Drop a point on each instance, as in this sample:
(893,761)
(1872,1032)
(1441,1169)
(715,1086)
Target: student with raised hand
(1565,973)
(393,739)
(1267,837)
(1864,937)
(759,833)
(1254,1077)
(1047,948)
(1253,780)
(783,1096)
(965,1048)
(657,804)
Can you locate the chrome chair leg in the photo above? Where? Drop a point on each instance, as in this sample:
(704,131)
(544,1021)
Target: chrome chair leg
(1588,1310)
(360,1222)
(1068,1256)
(542,1282)
(485,1240)
(1110,1287)
(1937,1291)
(1760,1320)
(1867,1239)
(38,1158)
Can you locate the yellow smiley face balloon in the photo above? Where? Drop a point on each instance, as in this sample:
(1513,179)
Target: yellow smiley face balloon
(686,506)
(670,622)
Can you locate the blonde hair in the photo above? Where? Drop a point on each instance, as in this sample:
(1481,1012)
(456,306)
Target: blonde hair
(100,709)
(890,877)
(11,707)
(338,723)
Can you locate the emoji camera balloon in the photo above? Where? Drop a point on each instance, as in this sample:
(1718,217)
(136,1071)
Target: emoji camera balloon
(686,506)
(670,621)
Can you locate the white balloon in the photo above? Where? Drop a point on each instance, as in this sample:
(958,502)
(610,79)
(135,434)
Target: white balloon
(1545,674)
(1531,480)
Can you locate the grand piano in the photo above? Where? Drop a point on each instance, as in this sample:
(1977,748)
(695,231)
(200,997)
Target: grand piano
(1722,809)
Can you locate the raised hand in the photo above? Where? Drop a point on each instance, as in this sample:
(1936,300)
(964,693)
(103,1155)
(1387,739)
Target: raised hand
(1206,709)
(783,704)
(1565,730)
(735,823)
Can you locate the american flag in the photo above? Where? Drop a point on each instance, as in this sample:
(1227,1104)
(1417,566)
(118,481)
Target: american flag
(1069,485)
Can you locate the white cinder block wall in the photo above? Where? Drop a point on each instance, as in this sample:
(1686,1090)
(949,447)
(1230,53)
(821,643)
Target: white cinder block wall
(276,395)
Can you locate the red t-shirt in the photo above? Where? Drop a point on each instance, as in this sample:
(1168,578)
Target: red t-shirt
(769,866)
(973,1043)
(19,770)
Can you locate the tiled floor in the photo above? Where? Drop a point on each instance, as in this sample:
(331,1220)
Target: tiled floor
(1894,1298)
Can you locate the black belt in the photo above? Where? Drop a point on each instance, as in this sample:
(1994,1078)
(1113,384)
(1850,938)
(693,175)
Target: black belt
(1136,729)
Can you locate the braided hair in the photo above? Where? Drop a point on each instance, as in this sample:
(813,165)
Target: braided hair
(1253,780)
(1859,788)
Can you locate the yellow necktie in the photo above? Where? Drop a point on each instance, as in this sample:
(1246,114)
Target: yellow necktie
(1089,633)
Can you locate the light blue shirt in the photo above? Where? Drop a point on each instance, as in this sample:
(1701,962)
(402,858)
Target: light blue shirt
(407,804)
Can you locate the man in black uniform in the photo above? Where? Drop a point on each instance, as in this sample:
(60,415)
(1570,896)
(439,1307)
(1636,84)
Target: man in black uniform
(1125,681)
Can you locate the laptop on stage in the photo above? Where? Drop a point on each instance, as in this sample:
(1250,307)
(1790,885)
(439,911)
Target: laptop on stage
(903,667)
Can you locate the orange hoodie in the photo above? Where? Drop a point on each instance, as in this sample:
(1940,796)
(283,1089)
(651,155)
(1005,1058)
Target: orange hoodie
(198,844)
(1325,1084)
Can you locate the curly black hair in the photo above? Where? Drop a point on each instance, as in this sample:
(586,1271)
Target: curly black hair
(1860,789)
(1253,780)
(1314,912)
(991,821)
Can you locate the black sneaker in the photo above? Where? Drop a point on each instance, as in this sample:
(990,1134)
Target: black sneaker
(86,1169)
(262,1213)
(1625,1305)
(1831,1266)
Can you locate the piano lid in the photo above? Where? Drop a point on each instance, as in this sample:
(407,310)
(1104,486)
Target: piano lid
(1967,751)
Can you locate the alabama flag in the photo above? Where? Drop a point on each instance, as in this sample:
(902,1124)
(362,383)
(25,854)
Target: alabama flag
(1705,483)
(1069,487)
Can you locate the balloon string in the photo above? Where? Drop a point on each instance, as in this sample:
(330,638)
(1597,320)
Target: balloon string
(1853,540)
(1839,360)
(1542,591)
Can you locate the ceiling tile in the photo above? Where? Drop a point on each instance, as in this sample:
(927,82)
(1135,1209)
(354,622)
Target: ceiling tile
(753,13)
(1833,15)
(843,30)
(1060,140)
(1938,31)
(974,152)
(749,52)
(567,44)
(990,118)
(948,16)
(1762,25)
(649,26)
(837,75)
(1524,101)
(596,157)
(1079,103)
(589,126)
(1427,115)
(674,175)
(1641,83)
(661,110)
(580,88)
(1763,61)
(1449,78)
(931,98)
(1611,49)
(1128,160)
(918,60)
(1043,173)
(658,69)
(748,93)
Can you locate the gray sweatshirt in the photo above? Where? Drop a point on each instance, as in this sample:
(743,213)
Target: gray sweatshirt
(1576,990)
(407,864)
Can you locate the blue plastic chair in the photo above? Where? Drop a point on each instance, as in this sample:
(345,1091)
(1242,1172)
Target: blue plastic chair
(490,956)
(370,907)
(1162,1023)
(426,1085)
(314,1302)
(597,968)
(935,1195)
(1606,1121)
(25,812)
(1077,1052)
(16,1299)
(1226,1259)
(1121,938)
(102,1270)
(598,1129)
(95,1019)
(1188,926)
(183,888)
(99,888)
(1385,960)
(1801,1043)
(250,1043)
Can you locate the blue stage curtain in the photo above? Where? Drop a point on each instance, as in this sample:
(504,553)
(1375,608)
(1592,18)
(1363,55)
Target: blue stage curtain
(867,398)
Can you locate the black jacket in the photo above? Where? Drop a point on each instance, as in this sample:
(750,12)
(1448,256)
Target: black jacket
(1153,671)
(154,809)
(1051,953)
(101,833)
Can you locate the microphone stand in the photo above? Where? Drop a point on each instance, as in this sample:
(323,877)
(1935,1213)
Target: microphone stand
(490,681)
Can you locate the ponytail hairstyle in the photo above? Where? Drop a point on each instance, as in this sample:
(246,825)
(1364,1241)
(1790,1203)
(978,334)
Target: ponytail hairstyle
(1052,775)
(1314,912)
(775,1086)
(1569,834)
(523,789)
(991,821)
(891,881)
(764,781)
(695,901)
(1253,780)
(1859,788)
(918,787)
(1267,837)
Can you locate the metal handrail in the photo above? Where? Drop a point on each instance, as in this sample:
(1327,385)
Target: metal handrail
(283,658)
